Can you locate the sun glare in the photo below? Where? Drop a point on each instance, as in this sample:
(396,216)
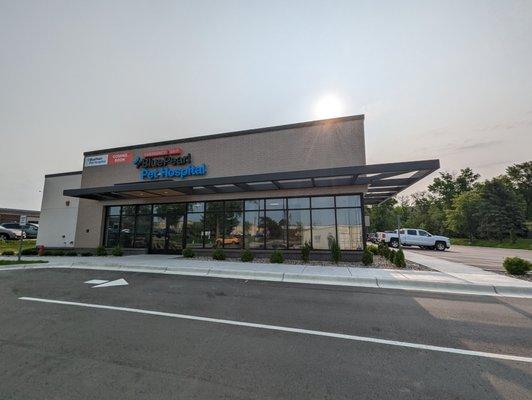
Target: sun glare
(329,106)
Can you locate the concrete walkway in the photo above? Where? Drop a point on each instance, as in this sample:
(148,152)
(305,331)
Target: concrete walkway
(448,277)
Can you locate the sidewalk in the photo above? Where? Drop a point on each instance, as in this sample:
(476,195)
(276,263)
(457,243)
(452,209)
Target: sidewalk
(449,277)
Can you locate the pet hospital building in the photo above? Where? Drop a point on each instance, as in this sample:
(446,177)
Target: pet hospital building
(263,189)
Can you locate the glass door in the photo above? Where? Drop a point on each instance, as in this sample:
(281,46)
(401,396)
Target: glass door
(167,229)
(174,232)
(158,234)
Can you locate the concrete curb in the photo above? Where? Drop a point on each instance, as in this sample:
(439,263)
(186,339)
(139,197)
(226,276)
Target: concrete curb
(382,283)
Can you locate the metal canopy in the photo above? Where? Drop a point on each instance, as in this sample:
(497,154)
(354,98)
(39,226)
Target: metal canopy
(383,180)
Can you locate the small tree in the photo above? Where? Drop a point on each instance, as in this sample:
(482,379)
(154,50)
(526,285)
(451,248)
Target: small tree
(277,257)
(218,254)
(464,217)
(101,251)
(246,256)
(188,253)
(117,251)
(367,257)
(305,252)
(399,259)
(336,254)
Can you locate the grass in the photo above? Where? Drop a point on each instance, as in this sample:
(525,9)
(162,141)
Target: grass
(13,245)
(14,261)
(521,243)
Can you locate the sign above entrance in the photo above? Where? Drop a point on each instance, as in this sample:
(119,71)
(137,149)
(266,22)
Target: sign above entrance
(109,159)
(158,164)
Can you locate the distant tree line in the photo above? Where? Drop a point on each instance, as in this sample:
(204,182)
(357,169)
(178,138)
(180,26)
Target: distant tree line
(460,205)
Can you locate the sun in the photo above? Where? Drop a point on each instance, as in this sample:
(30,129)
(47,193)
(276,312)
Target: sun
(329,106)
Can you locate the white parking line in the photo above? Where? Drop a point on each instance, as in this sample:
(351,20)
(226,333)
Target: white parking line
(291,330)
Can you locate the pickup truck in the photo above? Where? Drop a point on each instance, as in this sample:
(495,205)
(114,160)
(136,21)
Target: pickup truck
(415,237)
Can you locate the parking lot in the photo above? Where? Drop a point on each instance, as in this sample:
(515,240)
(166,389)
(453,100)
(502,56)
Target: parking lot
(161,336)
(487,258)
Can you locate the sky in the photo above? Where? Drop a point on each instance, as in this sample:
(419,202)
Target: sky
(435,79)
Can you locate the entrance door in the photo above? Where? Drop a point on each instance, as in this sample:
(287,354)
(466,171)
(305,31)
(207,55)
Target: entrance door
(167,230)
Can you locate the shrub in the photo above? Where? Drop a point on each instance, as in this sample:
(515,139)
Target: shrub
(188,253)
(101,251)
(48,253)
(391,255)
(516,265)
(117,251)
(71,253)
(399,259)
(373,249)
(58,253)
(29,252)
(218,254)
(305,252)
(336,254)
(367,257)
(277,257)
(383,250)
(246,256)
(86,254)
(8,253)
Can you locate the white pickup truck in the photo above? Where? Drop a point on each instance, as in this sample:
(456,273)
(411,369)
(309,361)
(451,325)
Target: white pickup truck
(415,237)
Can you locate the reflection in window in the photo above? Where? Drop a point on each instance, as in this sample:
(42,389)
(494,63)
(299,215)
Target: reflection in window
(233,229)
(214,206)
(254,205)
(275,223)
(158,235)
(112,230)
(114,210)
(144,209)
(142,231)
(128,210)
(348,201)
(323,229)
(298,228)
(127,228)
(275,204)
(299,202)
(195,207)
(349,228)
(213,229)
(254,230)
(322,202)
(195,230)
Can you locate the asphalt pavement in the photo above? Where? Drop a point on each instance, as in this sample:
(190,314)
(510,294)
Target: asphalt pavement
(185,337)
(487,258)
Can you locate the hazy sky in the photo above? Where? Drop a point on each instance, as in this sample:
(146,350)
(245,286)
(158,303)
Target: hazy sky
(436,79)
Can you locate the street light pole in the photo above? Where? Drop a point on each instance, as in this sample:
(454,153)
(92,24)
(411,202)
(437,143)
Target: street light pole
(399,230)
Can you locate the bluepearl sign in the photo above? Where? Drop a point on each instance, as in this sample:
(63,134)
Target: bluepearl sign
(164,164)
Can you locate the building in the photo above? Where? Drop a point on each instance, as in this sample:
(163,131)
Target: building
(13,215)
(262,189)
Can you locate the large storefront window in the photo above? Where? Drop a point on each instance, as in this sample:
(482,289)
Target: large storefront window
(275,223)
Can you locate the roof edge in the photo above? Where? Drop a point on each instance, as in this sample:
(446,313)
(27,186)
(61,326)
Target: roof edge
(63,174)
(229,134)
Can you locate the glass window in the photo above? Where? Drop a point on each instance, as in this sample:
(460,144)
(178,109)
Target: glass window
(196,207)
(348,201)
(195,229)
(213,233)
(298,228)
(158,234)
(349,228)
(175,208)
(322,202)
(127,228)
(144,209)
(275,204)
(275,223)
(233,205)
(128,210)
(423,233)
(299,202)
(214,206)
(112,230)
(254,230)
(160,209)
(412,232)
(323,228)
(254,204)
(233,229)
(142,231)
(114,210)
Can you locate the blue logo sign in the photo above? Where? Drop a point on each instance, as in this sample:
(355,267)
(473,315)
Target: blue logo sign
(167,172)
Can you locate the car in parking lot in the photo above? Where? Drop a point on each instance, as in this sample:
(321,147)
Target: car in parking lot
(415,237)
(30,230)
(10,234)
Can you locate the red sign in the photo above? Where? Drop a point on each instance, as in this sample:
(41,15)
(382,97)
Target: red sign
(122,157)
(166,152)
